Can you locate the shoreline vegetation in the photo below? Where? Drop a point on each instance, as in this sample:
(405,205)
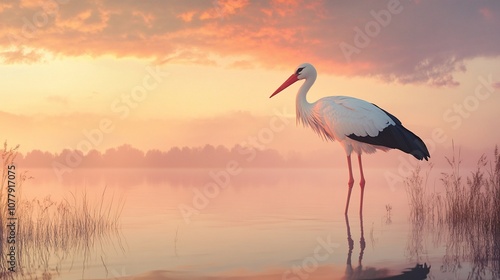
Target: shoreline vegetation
(126,156)
(465,218)
(50,231)
(207,156)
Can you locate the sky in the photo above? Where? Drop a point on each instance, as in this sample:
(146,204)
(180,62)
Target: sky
(157,74)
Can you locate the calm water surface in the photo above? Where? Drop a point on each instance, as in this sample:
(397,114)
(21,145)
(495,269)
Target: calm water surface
(267,224)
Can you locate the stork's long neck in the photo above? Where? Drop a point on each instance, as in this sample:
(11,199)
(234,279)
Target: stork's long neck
(303,108)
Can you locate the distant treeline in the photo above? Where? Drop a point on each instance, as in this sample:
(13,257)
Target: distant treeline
(126,156)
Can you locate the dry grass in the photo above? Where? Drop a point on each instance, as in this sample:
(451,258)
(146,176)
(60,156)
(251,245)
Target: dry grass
(49,230)
(426,204)
(467,217)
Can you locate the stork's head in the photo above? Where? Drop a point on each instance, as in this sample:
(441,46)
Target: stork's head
(303,71)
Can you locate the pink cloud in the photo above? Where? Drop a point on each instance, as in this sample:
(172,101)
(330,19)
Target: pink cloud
(187,16)
(223,8)
(486,13)
(405,42)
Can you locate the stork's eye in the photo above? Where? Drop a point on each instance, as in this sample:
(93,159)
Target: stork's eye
(299,70)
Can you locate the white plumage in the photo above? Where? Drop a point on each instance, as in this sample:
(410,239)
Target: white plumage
(335,117)
(358,125)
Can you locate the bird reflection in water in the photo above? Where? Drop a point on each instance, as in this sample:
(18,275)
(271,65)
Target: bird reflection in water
(419,272)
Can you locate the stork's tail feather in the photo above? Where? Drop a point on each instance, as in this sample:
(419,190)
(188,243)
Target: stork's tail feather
(397,137)
(410,143)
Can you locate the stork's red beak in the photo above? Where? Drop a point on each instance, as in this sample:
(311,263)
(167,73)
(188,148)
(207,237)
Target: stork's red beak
(288,82)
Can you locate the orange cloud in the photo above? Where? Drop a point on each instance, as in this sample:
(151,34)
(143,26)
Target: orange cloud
(21,55)
(223,8)
(147,18)
(376,42)
(187,16)
(30,3)
(88,21)
(285,7)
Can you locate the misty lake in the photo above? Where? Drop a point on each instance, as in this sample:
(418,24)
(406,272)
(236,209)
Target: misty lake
(266,224)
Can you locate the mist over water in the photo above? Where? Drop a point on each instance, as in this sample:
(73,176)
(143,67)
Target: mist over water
(265,224)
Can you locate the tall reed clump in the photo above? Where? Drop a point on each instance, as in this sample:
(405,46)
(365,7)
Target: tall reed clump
(468,215)
(426,208)
(495,183)
(48,231)
(473,212)
(426,205)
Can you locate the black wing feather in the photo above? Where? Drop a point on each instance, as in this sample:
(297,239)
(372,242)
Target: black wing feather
(396,137)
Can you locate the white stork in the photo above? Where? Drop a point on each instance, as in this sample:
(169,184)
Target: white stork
(358,125)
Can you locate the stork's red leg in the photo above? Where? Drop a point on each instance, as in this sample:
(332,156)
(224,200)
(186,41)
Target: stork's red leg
(361,184)
(350,183)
